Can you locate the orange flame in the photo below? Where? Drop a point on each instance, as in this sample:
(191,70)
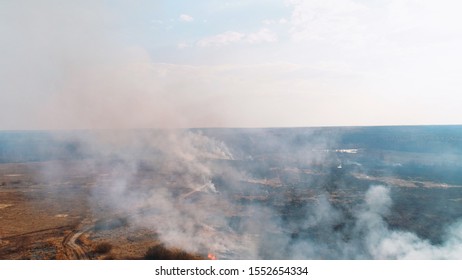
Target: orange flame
(211,256)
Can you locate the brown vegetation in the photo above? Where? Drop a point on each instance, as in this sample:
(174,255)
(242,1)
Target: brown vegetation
(51,218)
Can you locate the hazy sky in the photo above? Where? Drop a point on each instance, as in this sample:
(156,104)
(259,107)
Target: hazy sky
(253,63)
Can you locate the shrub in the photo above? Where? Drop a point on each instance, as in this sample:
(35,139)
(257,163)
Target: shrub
(102,248)
(160,252)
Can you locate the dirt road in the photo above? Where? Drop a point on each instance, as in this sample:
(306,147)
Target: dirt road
(72,247)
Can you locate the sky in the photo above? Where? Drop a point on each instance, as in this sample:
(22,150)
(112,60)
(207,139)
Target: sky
(254,63)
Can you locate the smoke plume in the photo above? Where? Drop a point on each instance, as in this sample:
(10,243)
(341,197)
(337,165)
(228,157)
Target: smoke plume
(191,189)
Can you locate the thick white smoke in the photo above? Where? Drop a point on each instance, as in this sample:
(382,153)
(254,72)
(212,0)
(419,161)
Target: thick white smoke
(162,180)
(384,243)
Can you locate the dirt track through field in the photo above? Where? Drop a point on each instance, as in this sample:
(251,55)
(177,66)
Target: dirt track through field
(73,249)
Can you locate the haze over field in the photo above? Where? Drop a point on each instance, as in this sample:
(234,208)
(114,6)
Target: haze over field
(108,84)
(103,64)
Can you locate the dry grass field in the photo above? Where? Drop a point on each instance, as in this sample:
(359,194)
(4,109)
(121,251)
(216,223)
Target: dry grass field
(49,218)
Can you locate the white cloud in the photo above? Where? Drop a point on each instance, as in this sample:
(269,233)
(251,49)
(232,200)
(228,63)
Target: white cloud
(370,23)
(330,20)
(182,45)
(230,37)
(440,16)
(222,39)
(264,35)
(274,21)
(186,18)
